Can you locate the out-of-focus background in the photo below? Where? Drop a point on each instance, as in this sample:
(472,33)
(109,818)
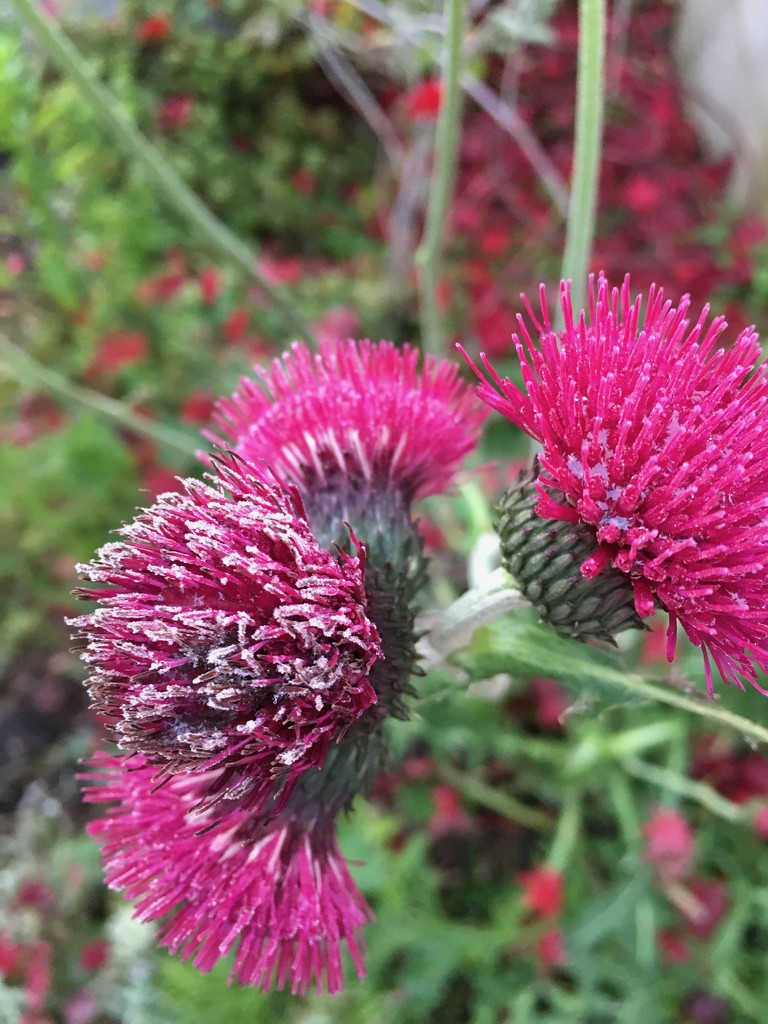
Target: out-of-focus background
(307,128)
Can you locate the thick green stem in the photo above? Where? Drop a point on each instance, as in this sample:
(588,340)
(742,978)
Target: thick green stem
(457,623)
(567,661)
(159,172)
(590,91)
(24,368)
(441,185)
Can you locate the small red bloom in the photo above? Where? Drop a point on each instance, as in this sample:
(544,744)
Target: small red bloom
(670,844)
(118,350)
(15,263)
(542,891)
(643,194)
(551,701)
(209,283)
(236,324)
(449,815)
(304,182)
(153,29)
(197,408)
(339,322)
(673,947)
(550,950)
(175,112)
(94,954)
(656,437)
(761,822)
(710,906)
(423,101)
(10,956)
(34,893)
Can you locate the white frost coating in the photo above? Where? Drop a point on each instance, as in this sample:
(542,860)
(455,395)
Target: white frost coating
(291,755)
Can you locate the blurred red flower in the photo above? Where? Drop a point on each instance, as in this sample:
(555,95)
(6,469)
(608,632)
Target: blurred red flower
(153,29)
(117,350)
(422,103)
(669,844)
(542,891)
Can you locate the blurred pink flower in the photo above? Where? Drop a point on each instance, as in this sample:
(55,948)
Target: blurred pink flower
(669,844)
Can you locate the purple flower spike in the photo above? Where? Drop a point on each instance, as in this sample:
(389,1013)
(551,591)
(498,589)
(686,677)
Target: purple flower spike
(275,890)
(656,438)
(226,637)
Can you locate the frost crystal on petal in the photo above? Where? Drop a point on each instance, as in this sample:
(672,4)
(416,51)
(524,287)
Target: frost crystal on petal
(656,436)
(227,636)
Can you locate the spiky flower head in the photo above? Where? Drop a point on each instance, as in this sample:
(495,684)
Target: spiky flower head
(655,436)
(275,889)
(226,636)
(359,427)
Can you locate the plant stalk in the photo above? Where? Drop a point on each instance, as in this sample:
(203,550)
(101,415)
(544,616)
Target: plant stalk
(441,185)
(585,178)
(24,368)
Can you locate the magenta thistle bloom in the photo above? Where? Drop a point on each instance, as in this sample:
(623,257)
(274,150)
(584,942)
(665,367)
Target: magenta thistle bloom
(276,890)
(656,439)
(226,636)
(356,411)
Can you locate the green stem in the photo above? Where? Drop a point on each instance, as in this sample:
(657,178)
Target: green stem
(567,833)
(458,622)
(590,90)
(703,708)
(700,792)
(24,368)
(479,792)
(441,186)
(167,182)
(569,662)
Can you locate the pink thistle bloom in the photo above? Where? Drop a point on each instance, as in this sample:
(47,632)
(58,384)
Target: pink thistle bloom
(226,636)
(276,890)
(657,439)
(356,411)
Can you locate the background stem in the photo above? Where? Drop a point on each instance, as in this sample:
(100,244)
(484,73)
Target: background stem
(441,185)
(26,369)
(590,100)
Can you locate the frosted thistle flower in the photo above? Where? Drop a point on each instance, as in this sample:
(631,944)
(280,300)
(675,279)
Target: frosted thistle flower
(655,438)
(361,429)
(226,637)
(273,888)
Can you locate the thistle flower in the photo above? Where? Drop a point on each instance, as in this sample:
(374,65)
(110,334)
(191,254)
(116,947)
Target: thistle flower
(359,428)
(274,888)
(655,439)
(226,637)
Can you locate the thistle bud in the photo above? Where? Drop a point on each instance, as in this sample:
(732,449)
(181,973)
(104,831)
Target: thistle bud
(545,557)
